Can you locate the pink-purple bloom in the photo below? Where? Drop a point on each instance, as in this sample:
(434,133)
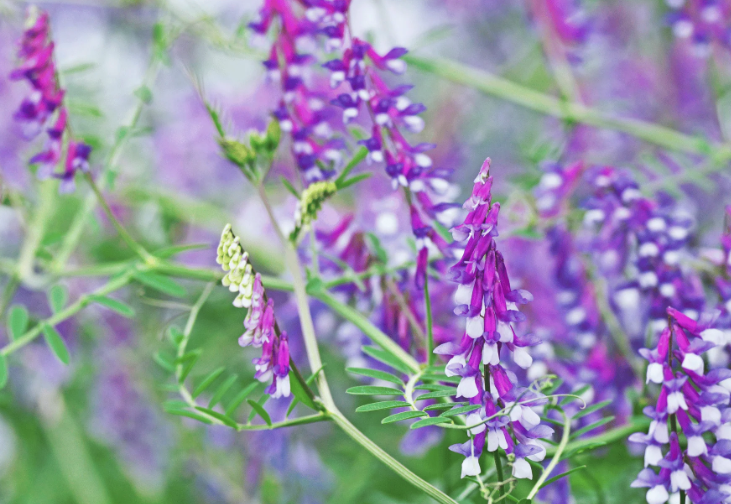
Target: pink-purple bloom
(693,402)
(490,306)
(44,105)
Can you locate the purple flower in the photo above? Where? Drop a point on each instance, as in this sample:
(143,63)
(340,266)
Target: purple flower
(489,304)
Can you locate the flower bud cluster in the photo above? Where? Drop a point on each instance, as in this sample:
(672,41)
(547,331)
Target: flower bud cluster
(44,105)
(695,401)
(260,324)
(310,204)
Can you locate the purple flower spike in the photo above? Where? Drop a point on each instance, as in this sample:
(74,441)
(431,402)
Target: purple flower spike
(490,306)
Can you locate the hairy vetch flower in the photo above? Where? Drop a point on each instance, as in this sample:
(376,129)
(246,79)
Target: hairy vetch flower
(261,326)
(489,304)
(45,102)
(694,404)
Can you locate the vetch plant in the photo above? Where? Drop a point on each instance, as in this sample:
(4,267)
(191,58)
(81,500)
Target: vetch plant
(562,336)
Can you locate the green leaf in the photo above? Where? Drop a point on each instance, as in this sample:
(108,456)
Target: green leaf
(84,109)
(430,421)
(3,372)
(191,414)
(591,427)
(58,295)
(381,405)
(260,411)
(207,381)
(314,285)
(221,390)
(441,378)
(437,394)
(352,180)
(441,406)
(174,404)
(578,392)
(373,390)
(144,94)
(525,501)
(377,248)
(173,250)
(219,416)
(562,475)
(17,321)
(160,283)
(591,409)
(189,364)
(461,410)
(434,388)
(236,401)
(56,343)
(176,336)
(359,156)
(288,185)
(404,415)
(386,358)
(375,373)
(299,392)
(114,305)
(164,361)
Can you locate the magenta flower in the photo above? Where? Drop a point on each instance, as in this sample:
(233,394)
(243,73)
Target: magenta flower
(46,100)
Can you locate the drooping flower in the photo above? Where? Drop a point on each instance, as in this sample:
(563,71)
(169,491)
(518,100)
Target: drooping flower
(692,403)
(260,324)
(45,102)
(489,304)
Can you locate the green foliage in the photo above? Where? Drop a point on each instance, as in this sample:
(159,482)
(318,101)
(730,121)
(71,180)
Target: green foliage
(56,343)
(259,409)
(17,321)
(404,415)
(377,374)
(160,283)
(114,305)
(373,390)
(381,405)
(3,371)
(58,297)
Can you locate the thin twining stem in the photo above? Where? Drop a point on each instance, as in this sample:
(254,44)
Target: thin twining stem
(556,457)
(569,111)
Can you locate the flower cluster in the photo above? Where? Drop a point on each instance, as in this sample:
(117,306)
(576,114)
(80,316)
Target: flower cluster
(702,22)
(261,327)
(723,281)
(505,419)
(44,106)
(695,401)
(302,110)
(635,232)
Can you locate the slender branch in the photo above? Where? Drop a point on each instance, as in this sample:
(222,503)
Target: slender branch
(556,457)
(389,461)
(73,235)
(131,243)
(71,310)
(499,470)
(303,307)
(430,355)
(546,104)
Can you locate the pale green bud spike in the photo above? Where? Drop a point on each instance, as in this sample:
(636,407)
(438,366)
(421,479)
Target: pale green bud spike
(310,204)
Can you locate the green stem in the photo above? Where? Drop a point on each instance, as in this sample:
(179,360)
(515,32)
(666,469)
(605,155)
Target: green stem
(131,243)
(556,457)
(71,310)
(389,461)
(499,469)
(575,112)
(36,231)
(430,355)
(303,307)
(372,332)
(73,235)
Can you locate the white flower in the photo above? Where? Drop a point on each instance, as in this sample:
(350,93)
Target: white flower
(522,469)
